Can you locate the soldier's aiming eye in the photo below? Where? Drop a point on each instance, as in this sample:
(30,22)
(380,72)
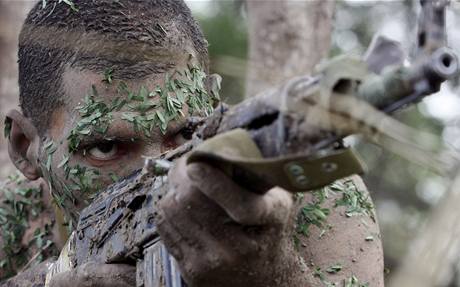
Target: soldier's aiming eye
(106,147)
(103,151)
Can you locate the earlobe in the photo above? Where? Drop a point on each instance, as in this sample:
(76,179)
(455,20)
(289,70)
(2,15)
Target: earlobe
(23,143)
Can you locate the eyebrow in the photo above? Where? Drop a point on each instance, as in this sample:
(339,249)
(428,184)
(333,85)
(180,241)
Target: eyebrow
(122,130)
(93,139)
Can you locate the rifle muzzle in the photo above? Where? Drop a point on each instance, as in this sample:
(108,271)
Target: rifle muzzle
(443,64)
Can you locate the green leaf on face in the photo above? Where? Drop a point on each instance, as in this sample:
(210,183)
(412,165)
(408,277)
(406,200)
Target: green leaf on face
(170,102)
(118,104)
(123,89)
(95,116)
(180,96)
(71,4)
(164,127)
(161,116)
(114,177)
(143,93)
(137,98)
(64,161)
(84,132)
(128,117)
(144,107)
(108,76)
(49,162)
(102,129)
(48,144)
(150,117)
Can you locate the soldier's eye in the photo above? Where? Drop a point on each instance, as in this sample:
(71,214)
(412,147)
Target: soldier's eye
(105,150)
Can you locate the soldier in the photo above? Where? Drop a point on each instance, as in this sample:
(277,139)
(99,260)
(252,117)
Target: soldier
(101,86)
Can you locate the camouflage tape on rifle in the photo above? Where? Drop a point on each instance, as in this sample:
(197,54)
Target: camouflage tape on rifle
(236,154)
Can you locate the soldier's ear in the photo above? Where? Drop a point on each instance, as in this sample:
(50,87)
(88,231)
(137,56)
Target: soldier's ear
(23,144)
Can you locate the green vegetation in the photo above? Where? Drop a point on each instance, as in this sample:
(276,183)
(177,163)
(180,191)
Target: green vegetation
(334,269)
(320,274)
(18,206)
(108,76)
(188,89)
(146,110)
(84,180)
(353,199)
(352,281)
(313,213)
(96,116)
(316,214)
(7,129)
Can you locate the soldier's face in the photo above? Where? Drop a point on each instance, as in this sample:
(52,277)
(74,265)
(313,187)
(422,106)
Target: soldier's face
(105,129)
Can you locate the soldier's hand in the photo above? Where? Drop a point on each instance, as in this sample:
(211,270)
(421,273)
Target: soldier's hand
(96,275)
(223,235)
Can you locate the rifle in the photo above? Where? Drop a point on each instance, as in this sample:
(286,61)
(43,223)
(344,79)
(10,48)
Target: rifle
(287,137)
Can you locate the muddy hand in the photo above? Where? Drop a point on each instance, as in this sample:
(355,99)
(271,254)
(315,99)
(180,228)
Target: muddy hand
(97,275)
(223,235)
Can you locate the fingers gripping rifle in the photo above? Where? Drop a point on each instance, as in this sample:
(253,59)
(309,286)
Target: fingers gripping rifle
(284,137)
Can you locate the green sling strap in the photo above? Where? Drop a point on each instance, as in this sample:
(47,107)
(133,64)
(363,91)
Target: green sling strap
(236,154)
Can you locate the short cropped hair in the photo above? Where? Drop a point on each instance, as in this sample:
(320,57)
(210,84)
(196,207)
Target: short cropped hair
(127,36)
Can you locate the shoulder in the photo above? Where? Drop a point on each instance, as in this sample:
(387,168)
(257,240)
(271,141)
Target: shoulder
(338,235)
(25,225)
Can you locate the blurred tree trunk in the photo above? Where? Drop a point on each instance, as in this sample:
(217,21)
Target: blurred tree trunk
(434,253)
(286,39)
(12,13)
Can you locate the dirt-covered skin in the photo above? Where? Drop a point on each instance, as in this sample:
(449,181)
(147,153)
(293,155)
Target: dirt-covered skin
(352,242)
(224,235)
(248,240)
(97,275)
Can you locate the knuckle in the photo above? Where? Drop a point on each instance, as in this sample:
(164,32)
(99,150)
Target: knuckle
(281,204)
(281,198)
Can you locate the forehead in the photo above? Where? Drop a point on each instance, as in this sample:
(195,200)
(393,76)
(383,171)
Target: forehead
(80,82)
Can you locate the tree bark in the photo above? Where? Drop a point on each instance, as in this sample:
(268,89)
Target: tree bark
(434,253)
(287,39)
(12,14)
